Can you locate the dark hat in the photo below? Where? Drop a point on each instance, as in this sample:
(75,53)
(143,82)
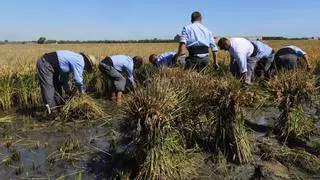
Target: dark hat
(92,61)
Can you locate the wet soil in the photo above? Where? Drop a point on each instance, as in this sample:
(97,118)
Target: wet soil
(33,148)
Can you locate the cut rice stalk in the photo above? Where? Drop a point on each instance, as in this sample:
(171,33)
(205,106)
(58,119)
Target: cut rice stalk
(81,108)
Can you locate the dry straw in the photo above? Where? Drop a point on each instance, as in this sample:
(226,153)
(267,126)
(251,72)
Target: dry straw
(153,114)
(291,90)
(81,108)
(290,157)
(231,136)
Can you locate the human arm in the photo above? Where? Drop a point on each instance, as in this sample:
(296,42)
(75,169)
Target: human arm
(129,73)
(214,50)
(64,78)
(183,42)
(306,59)
(215,63)
(77,70)
(241,58)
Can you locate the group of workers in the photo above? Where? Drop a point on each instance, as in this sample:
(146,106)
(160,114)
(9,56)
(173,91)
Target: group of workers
(246,57)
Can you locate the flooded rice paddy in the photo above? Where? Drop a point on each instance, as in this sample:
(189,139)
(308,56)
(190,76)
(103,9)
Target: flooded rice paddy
(36,149)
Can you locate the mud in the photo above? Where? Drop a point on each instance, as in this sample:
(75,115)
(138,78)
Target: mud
(33,148)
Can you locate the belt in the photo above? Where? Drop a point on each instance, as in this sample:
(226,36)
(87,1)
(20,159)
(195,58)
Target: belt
(195,50)
(255,50)
(52,58)
(108,61)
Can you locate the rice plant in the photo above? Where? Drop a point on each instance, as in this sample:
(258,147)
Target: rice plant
(145,73)
(6,89)
(299,85)
(290,157)
(81,108)
(153,113)
(94,82)
(291,90)
(231,137)
(27,90)
(294,122)
(70,151)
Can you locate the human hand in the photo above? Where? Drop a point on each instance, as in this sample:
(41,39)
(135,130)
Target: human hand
(216,66)
(244,86)
(309,68)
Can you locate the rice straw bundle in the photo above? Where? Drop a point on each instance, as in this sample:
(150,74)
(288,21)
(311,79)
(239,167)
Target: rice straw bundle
(81,108)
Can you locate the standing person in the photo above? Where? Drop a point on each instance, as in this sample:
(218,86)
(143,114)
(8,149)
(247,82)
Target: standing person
(244,56)
(197,39)
(53,72)
(167,59)
(114,68)
(288,58)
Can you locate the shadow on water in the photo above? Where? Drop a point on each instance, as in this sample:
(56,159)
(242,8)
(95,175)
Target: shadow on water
(116,165)
(261,121)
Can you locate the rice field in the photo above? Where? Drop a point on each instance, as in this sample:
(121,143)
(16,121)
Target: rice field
(176,125)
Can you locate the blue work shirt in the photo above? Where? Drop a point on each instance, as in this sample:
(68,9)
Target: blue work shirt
(264,51)
(196,34)
(123,63)
(71,62)
(165,59)
(298,50)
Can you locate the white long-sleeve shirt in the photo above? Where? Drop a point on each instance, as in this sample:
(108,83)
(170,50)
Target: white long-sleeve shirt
(240,50)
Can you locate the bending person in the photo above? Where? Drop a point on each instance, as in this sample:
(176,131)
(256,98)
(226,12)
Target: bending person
(117,69)
(53,72)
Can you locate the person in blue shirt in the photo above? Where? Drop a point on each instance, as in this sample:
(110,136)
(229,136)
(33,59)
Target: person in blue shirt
(167,59)
(115,68)
(289,58)
(53,71)
(197,39)
(265,56)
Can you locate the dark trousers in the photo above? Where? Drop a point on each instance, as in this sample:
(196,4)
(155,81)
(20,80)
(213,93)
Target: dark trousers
(264,67)
(288,62)
(198,63)
(50,85)
(115,80)
(235,68)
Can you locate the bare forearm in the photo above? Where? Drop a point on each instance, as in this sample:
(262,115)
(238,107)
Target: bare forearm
(182,46)
(214,55)
(306,59)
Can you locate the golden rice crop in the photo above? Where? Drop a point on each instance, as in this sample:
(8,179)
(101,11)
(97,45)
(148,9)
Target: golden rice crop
(81,108)
(291,89)
(231,136)
(152,115)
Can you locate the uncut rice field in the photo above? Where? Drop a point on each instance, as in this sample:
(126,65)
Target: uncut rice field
(176,125)
(21,55)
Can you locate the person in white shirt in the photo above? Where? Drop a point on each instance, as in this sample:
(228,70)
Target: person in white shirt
(288,58)
(244,56)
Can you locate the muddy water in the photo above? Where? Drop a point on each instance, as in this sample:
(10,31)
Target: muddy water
(33,149)
(261,120)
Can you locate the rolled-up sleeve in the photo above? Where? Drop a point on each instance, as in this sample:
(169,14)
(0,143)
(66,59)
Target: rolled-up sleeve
(129,70)
(300,52)
(78,76)
(212,44)
(184,36)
